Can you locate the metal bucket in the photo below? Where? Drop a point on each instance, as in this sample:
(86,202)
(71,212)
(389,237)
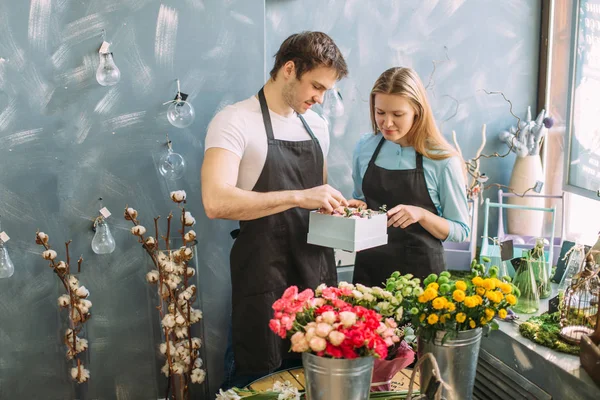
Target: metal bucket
(457,360)
(337,379)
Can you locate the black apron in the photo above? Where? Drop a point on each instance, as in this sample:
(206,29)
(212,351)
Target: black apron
(271,253)
(411,250)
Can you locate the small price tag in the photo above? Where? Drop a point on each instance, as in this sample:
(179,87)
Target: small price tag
(538,186)
(4,237)
(506,250)
(105,213)
(104,47)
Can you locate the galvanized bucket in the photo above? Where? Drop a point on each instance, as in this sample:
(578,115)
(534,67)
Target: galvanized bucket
(457,361)
(337,379)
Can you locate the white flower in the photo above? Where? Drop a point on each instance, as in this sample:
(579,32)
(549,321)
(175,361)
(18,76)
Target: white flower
(165,369)
(82,292)
(363,288)
(168,321)
(150,241)
(138,230)
(180,319)
(178,196)
(320,288)
(347,318)
(336,338)
(198,375)
(198,362)
(190,236)
(152,276)
(180,332)
(345,285)
(177,369)
(173,281)
(73,282)
(161,258)
(323,329)
(287,391)
(80,374)
(49,255)
(369,297)
(64,300)
(82,345)
(86,304)
(187,219)
(190,272)
(41,238)
(377,291)
(357,294)
(163,348)
(196,343)
(186,253)
(61,266)
(130,214)
(195,316)
(228,395)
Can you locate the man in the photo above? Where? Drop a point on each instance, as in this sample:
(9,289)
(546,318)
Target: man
(264,165)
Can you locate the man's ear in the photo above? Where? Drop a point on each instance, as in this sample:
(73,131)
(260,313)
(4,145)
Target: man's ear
(289,70)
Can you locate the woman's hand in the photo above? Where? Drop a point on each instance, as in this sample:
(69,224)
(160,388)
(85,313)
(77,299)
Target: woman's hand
(403,216)
(357,204)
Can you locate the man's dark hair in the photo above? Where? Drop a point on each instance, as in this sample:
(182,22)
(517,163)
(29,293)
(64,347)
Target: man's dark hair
(310,50)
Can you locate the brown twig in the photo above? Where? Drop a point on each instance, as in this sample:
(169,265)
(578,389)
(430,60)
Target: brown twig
(79,263)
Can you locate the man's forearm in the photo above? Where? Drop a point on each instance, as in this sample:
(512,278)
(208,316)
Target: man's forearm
(243,205)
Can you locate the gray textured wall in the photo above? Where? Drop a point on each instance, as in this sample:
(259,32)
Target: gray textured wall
(483,44)
(65,141)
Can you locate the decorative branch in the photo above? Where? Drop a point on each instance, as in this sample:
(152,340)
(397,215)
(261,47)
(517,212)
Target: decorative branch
(172,275)
(75,301)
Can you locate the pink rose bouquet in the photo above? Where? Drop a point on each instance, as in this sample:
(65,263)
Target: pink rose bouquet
(329,326)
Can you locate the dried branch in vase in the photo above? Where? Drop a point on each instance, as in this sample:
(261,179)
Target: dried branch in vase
(75,301)
(171,273)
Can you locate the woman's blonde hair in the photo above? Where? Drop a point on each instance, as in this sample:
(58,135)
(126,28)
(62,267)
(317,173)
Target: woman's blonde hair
(424,134)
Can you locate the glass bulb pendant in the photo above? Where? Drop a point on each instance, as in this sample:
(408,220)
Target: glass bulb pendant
(7,268)
(103,241)
(171,165)
(107,73)
(180,114)
(333,106)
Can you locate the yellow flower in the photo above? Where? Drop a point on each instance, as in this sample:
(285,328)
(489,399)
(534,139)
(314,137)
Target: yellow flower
(489,284)
(471,301)
(480,291)
(458,295)
(422,317)
(430,294)
(472,324)
(482,320)
(444,318)
(460,317)
(498,297)
(489,314)
(479,299)
(511,299)
(433,285)
(502,313)
(506,288)
(461,285)
(432,319)
(450,306)
(439,303)
(422,299)
(477,281)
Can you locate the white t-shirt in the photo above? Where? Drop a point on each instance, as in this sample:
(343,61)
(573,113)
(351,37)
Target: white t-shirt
(239,128)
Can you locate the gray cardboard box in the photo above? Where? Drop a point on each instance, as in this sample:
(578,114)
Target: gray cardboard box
(350,234)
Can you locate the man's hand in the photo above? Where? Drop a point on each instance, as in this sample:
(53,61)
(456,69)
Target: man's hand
(323,196)
(357,204)
(403,216)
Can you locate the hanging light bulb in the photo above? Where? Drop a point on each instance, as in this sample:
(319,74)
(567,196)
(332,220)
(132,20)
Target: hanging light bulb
(107,73)
(333,104)
(7,268)
(171,164)
(103,241)
(181,113)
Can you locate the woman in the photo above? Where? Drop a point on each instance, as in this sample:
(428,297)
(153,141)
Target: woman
(407,166)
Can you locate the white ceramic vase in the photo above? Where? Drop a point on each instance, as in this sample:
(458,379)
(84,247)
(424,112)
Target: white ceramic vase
(526,172)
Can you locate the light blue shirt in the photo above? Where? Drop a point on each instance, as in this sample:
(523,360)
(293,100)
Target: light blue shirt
(444,179)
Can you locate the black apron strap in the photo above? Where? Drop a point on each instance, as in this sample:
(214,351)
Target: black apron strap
(419,161)
(376,152)
(310,132)
(264,108)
